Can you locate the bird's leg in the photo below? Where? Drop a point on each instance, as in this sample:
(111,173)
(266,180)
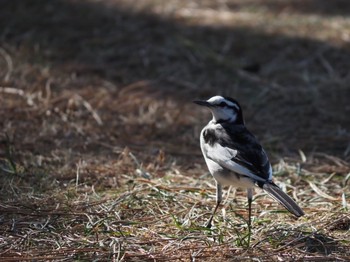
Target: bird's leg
(218,201)
(250,199)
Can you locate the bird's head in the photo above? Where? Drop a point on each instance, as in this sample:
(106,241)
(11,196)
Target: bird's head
(224,109)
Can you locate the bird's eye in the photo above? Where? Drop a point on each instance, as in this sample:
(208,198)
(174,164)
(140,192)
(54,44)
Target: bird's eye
(222,104)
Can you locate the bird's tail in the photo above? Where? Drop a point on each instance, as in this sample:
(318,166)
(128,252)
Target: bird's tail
(275,192)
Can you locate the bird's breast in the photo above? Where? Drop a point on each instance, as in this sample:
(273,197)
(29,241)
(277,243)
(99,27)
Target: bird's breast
(226,177)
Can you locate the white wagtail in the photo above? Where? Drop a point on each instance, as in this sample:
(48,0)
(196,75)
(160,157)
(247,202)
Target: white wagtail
(235,157)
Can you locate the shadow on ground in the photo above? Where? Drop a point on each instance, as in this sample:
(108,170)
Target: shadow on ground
(99,75)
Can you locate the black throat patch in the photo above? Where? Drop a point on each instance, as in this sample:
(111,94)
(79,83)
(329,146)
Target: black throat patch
(209,136)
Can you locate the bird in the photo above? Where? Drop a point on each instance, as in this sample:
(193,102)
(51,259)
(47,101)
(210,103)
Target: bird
(234,156)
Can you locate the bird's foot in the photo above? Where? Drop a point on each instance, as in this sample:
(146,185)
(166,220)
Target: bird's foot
(208,225)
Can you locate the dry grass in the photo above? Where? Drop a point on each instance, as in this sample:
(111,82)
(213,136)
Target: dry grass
(99,155)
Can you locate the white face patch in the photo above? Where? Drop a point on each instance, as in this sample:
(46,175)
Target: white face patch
(223,114)
(223,109)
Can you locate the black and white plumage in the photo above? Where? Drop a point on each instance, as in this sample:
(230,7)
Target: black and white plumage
(235,157)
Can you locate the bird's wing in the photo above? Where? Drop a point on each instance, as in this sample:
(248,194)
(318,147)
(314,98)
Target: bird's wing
(236,149)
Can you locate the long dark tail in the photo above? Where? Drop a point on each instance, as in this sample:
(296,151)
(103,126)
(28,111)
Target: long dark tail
(285,200)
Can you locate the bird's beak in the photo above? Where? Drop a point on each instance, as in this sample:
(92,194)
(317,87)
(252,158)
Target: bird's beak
(202,103)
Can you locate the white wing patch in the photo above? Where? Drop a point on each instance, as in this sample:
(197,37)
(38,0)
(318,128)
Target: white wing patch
(218,151)
(270,172)
(223,156)
(270,167)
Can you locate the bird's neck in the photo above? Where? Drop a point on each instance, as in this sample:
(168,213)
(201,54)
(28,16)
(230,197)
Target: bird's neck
(232,121)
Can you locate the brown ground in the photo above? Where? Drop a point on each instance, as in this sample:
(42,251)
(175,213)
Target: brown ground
(99,153)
